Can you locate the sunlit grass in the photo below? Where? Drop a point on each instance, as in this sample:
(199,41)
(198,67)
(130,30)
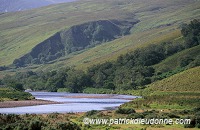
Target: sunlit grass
(21,31)
(188,80)
(172,62)
(111,50)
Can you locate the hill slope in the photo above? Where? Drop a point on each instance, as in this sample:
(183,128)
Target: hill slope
(172,62)
(77,38)
(22,31)
(188,80)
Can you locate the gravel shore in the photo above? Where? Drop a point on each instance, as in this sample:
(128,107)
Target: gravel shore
(10,104)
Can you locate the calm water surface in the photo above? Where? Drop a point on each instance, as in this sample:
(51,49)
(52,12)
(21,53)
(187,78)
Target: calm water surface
(70,104)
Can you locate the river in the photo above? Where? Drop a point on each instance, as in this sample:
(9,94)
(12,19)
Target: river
(71,102)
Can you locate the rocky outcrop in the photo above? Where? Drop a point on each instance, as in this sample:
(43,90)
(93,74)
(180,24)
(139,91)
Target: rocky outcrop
(76,38)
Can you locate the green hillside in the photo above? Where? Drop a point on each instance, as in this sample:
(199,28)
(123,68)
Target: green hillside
(188,80)
(131,71)
(76,38)
(111,50)
(22,31)
(178,92)
(173,62)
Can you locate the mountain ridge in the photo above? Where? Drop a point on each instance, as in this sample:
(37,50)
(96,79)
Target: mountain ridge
(76,38)
(22,31)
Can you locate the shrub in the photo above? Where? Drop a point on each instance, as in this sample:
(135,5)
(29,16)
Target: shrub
(192,124)
(196,109)
(188,126)
(171,115)
(63,90)
(184,112)
(67,126)
(91,113)
(136,115)
(35,125)
(53,115)
(125,111)
(198,125)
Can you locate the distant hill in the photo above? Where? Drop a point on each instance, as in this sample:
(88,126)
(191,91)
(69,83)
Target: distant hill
(20,5)
(159,21)
(76,38)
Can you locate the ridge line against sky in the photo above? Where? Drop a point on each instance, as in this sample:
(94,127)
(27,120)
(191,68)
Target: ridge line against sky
(22,5)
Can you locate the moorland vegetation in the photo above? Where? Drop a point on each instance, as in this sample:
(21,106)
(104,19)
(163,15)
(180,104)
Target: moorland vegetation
(131,71)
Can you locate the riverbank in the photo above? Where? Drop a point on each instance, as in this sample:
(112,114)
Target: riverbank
(11,104)
(101,96)
(50,102)
(80,120)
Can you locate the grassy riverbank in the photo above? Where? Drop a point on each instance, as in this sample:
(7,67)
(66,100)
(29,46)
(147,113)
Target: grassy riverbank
(157,102)
(10,97)
(75,121)
(7,94)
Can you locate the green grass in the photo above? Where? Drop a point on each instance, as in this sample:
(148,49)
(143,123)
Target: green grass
(109,51)
(188,80)
(172,62)
(11,94)
(56,120)
(21,31)
(180,91)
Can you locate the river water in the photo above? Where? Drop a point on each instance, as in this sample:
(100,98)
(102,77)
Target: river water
(70,103)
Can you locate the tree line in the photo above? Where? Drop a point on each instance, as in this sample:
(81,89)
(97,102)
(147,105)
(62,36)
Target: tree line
(133,70)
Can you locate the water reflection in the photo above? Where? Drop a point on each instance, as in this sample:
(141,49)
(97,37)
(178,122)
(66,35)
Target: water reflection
(71,102)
